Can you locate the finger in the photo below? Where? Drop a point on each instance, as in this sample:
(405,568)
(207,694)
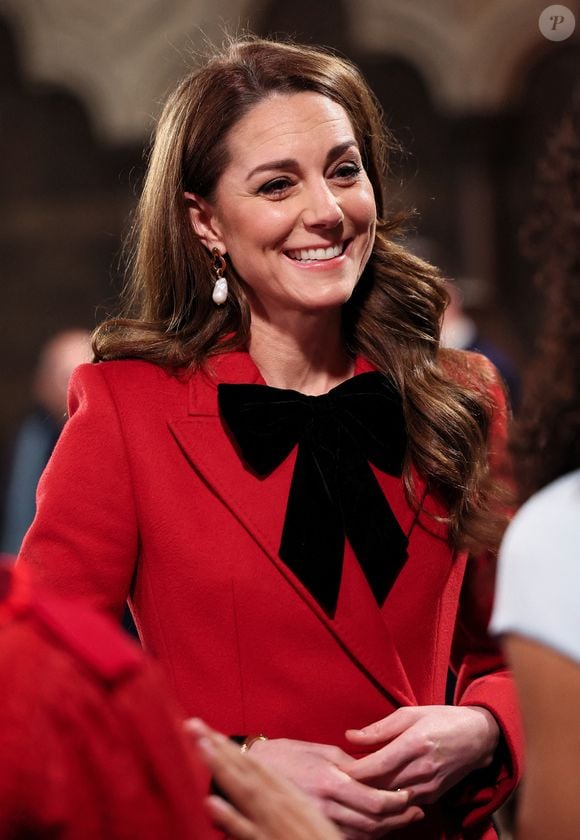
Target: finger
(200,732)
(351,820)
(363,798)
(382,731)
(385,762)
(220,754)
(229,820)
(429,786)
(240,778)
(415,776)
(197,727)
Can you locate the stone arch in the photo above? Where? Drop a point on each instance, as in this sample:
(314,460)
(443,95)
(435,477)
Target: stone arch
(120,63)
(122,59)
(471,54)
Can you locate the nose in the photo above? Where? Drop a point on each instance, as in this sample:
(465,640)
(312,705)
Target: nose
(322,209)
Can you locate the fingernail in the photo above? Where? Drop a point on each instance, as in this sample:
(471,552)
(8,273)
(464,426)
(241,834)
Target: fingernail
(216,806)
(206,747)
(215,801)
(195,725)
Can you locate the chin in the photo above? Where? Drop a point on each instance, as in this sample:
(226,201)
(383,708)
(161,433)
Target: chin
(336,294)
(326,305)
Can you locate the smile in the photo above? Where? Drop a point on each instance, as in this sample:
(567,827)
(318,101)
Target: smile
(317,254)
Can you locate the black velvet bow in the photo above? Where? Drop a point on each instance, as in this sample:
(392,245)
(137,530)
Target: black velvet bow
(334,491)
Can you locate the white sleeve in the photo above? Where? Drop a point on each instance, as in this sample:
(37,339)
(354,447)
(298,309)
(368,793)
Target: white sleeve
(538,582)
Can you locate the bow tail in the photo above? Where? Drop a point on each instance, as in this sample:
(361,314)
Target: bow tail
(313,536)
(374,533)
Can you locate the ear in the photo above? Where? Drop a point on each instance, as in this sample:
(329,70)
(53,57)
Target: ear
(204,221)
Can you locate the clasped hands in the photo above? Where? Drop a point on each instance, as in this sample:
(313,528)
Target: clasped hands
(415,755)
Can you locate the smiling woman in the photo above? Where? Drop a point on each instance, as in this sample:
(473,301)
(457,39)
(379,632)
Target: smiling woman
(281,468)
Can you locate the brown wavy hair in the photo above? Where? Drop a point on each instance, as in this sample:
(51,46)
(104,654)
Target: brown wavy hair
(393,318)
(546,439)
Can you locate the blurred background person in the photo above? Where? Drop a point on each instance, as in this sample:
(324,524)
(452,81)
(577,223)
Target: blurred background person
(40,430)
(101,750)
(460,330)
(537,606)
(91,745)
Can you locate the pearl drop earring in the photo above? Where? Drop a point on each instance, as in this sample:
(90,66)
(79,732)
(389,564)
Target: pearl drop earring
(220,289)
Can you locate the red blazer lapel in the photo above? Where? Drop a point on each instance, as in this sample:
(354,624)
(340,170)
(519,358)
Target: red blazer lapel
(260,506)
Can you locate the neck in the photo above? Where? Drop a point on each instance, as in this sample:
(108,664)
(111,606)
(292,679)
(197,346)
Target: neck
(305,353)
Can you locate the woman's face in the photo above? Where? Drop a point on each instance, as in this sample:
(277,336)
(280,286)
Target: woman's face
(294,209)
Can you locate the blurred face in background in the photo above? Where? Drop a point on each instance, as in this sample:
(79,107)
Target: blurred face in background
(58,359)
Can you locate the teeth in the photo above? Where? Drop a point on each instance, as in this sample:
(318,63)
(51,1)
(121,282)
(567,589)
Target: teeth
(307,254)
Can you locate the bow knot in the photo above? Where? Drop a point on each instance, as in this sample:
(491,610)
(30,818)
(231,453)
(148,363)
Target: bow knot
(334,492)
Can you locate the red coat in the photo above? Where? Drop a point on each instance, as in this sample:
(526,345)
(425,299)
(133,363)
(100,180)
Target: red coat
(146,494)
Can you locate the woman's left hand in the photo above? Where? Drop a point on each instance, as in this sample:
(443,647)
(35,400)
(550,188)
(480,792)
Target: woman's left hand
(426,749)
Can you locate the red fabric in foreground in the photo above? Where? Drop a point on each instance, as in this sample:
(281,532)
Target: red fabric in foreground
(90,746)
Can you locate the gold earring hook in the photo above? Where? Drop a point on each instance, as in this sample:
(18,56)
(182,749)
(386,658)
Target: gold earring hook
(218,263)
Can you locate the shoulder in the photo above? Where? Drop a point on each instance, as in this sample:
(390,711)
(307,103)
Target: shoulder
(124,382)
(549,517)
(470,370)
(121,371)
(539,569)
(92,639)
(480,378)
(48,622)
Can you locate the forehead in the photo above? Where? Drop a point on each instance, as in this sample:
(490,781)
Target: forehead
(288,125)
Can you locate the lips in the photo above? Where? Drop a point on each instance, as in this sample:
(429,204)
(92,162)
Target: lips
(317,254)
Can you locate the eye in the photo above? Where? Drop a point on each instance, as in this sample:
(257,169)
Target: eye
(275,187)
(347,170)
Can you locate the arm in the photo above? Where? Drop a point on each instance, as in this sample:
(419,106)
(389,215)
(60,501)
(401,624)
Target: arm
(549,687)
(83,541)
(483,679)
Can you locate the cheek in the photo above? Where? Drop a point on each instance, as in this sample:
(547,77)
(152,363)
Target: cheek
(259,229)
(369,207)
(363,210)
(366,222)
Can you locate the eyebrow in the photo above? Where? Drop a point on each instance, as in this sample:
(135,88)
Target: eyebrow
(292,163)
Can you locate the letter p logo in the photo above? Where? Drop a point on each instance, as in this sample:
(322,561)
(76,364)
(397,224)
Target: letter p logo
(556,23)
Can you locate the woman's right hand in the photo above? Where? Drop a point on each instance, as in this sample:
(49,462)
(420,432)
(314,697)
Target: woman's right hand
(360,811)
